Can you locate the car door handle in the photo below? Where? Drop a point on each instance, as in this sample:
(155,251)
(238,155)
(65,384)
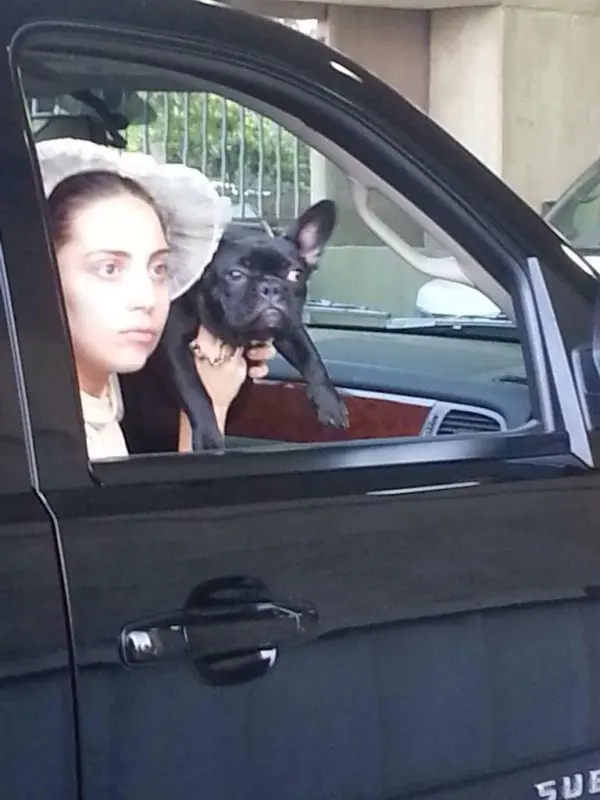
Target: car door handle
(227,626)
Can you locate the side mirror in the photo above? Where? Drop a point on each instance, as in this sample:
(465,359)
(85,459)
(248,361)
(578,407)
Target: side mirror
(442,298)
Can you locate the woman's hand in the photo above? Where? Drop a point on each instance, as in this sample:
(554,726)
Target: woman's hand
(259,354)
(224,380)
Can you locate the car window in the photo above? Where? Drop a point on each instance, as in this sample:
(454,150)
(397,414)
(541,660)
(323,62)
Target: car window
(271,176)
(577,213)
(412,352)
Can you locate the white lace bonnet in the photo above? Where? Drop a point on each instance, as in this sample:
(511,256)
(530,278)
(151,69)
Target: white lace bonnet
(194,213)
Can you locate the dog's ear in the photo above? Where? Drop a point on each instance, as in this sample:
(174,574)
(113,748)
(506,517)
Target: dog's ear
(312,230)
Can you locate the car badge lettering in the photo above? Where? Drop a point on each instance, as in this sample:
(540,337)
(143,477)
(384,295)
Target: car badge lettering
(570,787)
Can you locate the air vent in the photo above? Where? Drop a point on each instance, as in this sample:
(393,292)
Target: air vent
(458,421)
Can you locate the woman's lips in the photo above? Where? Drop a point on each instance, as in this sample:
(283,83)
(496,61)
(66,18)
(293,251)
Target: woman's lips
(140,335)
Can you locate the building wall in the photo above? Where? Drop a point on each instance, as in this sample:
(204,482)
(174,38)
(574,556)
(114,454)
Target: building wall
(392,43)
(516,83)
(551,128)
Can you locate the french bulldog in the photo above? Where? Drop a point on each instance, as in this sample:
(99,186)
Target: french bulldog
(253,290)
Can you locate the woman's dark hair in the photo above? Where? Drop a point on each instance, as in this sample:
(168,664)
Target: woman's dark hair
(72,194)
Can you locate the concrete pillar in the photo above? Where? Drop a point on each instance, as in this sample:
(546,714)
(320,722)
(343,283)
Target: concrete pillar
(394,45)
(358,267)
(466,78)
(518,85)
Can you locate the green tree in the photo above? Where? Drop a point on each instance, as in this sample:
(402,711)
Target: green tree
(243,152)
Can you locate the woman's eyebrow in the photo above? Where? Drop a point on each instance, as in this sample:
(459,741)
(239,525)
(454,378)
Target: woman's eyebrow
(102,252)
(124,254)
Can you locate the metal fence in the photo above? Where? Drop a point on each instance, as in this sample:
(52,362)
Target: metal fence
(258,164)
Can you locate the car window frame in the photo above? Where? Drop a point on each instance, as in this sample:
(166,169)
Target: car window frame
(377,465)
(18,474)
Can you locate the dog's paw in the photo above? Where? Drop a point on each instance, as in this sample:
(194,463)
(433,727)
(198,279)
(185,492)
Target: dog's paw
(203,442)
(330,407)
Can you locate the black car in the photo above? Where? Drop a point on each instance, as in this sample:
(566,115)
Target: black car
(406,609)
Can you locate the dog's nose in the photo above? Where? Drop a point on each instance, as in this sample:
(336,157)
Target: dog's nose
(270,290)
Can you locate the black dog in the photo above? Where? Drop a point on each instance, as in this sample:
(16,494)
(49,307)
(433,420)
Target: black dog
(253,290)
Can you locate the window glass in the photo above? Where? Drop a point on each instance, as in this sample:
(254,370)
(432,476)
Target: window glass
(271,176)
(414,349)
(577,215)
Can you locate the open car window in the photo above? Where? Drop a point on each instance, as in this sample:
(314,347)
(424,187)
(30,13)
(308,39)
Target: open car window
(271,168)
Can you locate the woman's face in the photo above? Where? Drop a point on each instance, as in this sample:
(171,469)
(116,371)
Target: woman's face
(113,270)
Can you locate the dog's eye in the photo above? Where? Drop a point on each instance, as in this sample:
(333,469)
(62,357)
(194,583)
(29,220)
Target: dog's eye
(236,274)
(293,275)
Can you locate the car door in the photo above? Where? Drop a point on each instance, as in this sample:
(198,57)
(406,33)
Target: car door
(394,618)
(37,727)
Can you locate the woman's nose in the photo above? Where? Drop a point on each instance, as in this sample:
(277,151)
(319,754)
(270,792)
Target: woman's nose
(141,291)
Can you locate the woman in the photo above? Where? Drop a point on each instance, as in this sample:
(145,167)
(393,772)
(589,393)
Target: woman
(114,260)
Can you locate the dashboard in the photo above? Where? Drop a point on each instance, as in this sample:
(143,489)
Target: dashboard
(395,384)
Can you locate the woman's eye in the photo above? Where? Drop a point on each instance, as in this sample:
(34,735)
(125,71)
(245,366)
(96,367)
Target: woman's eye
(159,271)
(107,269)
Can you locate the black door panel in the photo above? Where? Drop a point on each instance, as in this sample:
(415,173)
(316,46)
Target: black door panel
(459,636)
